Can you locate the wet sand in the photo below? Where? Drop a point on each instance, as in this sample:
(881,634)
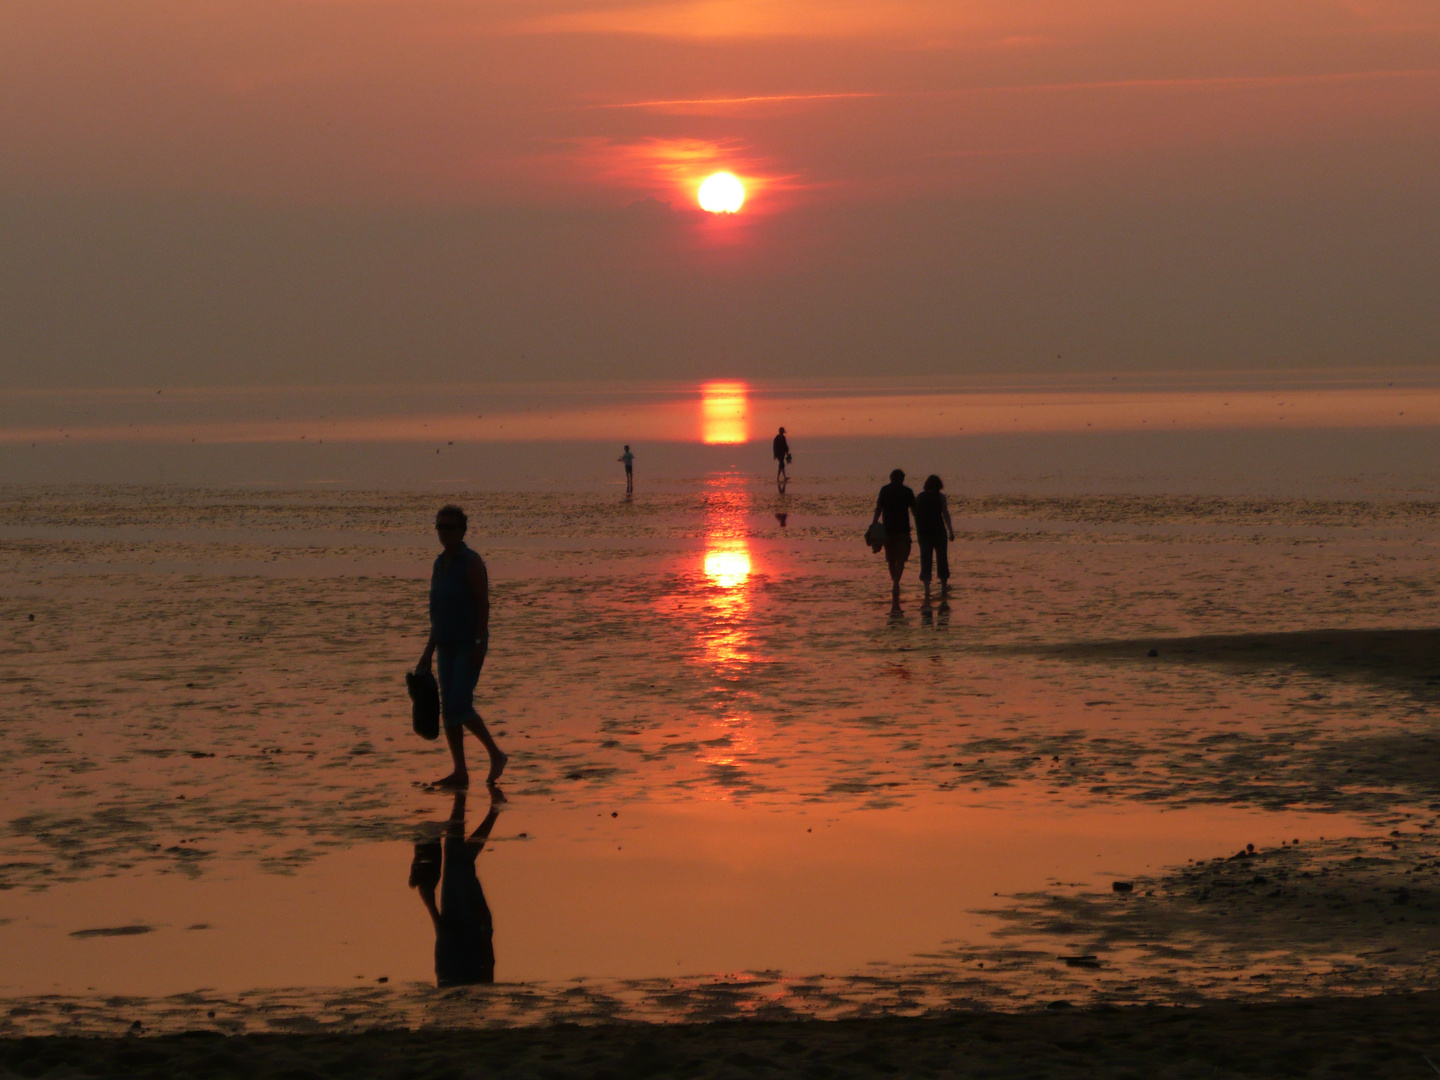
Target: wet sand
(1389,1036)
(209,690)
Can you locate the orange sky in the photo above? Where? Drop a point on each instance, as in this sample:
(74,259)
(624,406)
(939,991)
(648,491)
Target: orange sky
(215,191)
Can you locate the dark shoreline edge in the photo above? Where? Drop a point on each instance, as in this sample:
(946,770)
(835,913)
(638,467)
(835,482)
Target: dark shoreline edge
(1389,1035)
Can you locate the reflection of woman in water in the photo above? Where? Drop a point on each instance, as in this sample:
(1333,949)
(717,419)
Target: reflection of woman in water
(464,949)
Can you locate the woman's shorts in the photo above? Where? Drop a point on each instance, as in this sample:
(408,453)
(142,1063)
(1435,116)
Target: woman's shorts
(457,678)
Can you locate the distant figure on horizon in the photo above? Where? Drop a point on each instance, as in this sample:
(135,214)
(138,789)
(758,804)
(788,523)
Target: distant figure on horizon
(629,459)
(781,449)
(932,527)
(892,509)
(464,930)
(460,631)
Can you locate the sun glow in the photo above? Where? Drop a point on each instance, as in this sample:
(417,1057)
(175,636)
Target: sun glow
(722,193)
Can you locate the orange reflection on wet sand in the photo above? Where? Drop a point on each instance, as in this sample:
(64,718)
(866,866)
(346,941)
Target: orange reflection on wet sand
(727,568)
(724,412)
(724,639)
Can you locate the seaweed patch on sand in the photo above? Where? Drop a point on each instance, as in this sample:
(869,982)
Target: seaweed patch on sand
(1409,658)
(1353,915)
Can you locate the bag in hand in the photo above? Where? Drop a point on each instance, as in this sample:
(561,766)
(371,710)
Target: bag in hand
(875,536)
(424,703)
(425,866)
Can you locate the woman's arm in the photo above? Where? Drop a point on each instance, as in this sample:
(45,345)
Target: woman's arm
(480,588)
(479,580)
(945,514)
(424,664)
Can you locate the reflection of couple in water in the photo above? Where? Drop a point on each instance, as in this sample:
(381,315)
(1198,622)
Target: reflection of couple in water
(464,946)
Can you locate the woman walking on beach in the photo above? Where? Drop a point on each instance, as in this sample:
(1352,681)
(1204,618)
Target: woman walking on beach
(892,509)
(932,527)
(460,632)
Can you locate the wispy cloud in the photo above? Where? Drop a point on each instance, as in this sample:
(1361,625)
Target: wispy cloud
(1213,82)
(672,168)
(750,99)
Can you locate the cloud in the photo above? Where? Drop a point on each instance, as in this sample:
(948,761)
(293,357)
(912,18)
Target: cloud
(706,105)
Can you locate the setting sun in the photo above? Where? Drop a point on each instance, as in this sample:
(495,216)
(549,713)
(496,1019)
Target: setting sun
(722,193)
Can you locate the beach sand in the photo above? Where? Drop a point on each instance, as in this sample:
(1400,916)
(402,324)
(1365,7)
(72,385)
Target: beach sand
(1382,1036)
(203,687)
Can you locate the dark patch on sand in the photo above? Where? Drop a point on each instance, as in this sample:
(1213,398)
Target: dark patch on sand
(1406,656)
(113,931)
(1358,914)
(1376,1036)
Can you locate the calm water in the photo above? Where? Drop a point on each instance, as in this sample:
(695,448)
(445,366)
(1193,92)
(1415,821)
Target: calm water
(728,757)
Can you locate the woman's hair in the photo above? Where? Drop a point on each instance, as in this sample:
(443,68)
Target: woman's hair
(933,483)
(896,475)
(450,510)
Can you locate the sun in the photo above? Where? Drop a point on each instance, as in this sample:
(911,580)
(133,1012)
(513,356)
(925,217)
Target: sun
(722,193)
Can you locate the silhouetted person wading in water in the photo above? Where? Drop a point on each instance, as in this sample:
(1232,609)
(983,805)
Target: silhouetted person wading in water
(629,459)
(781,450)
(892,509)
(460,631)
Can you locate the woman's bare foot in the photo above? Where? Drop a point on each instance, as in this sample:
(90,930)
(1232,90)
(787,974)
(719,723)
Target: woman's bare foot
(456,781)
(498,761)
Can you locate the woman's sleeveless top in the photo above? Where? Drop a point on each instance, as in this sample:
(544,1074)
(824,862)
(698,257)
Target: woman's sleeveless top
(929,516)
(454,614)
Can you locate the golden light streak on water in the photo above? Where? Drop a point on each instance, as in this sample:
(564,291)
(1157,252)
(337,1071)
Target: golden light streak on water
(724,412)
(728,567)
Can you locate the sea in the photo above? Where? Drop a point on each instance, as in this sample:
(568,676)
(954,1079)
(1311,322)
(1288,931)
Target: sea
(740,783)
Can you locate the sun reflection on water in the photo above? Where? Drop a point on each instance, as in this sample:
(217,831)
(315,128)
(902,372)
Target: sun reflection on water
(720,601)
(726,635)
(727,569)
(728,564)
(724,412)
